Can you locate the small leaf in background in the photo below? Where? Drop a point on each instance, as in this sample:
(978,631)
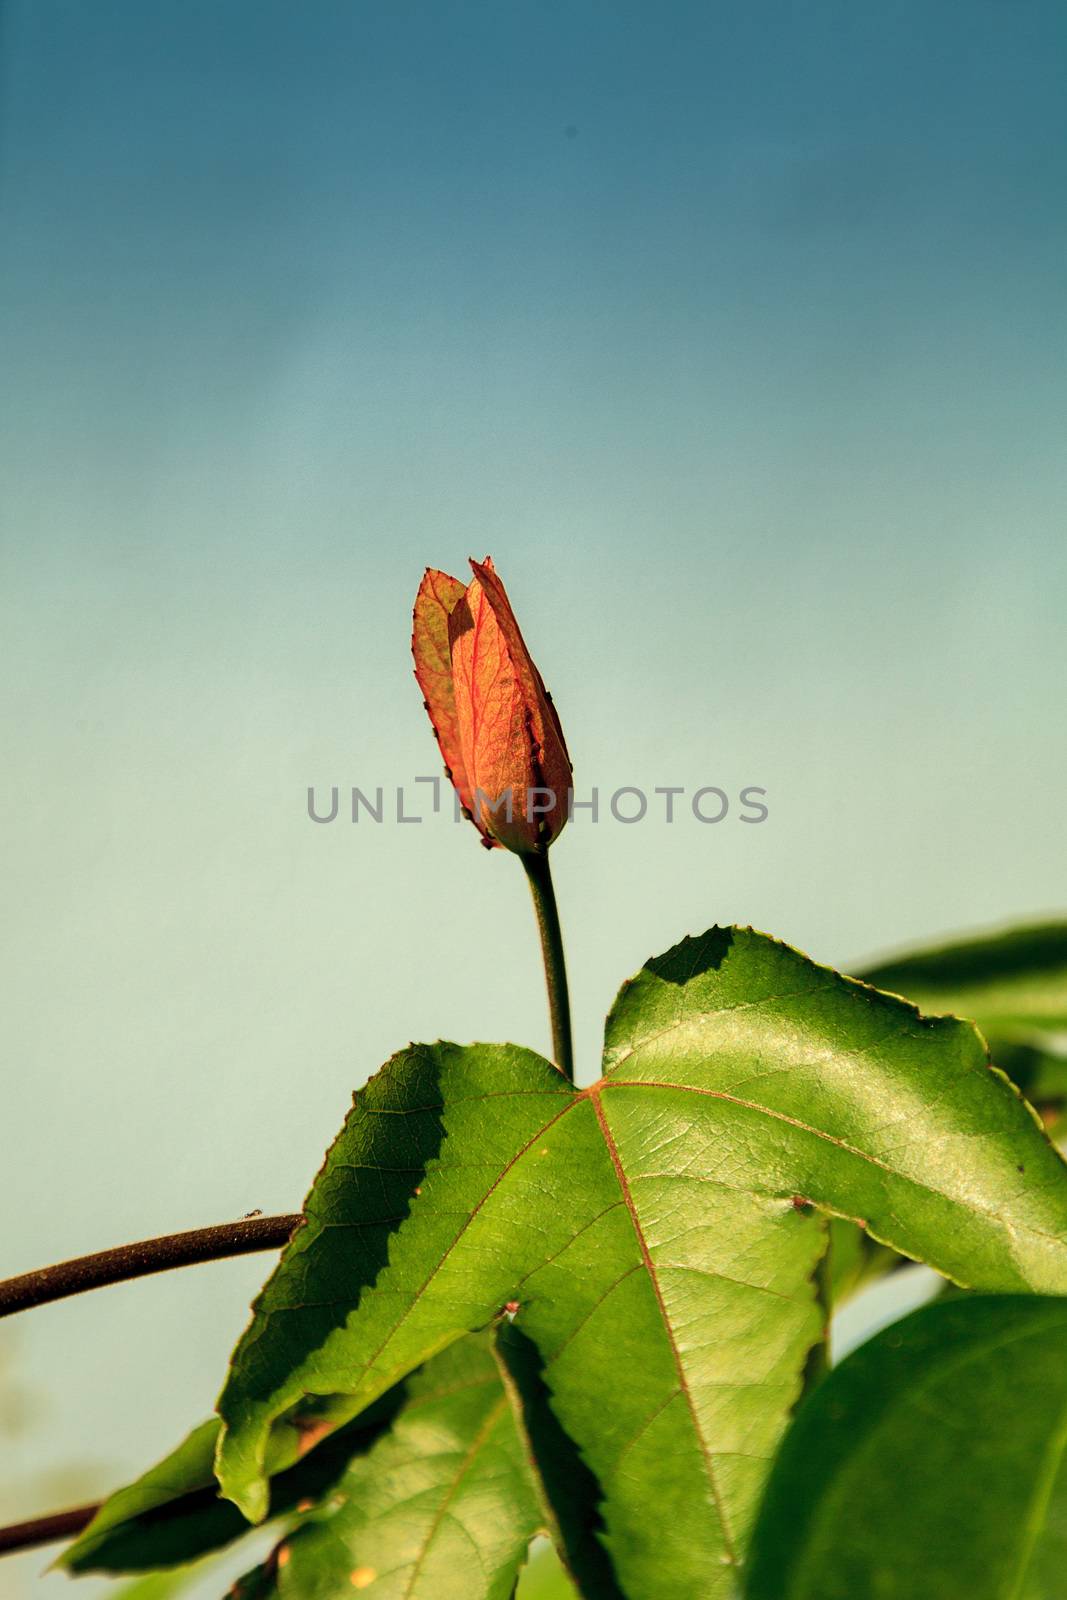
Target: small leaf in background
(655,1234)
(158,1585)
(201,1580)
(855,1259)
(172,1514)
(441,1508)
(544,1578)
(929,1465)
(132,1531)
(1013,984)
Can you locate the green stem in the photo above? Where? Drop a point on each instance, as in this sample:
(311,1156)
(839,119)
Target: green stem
(539,877)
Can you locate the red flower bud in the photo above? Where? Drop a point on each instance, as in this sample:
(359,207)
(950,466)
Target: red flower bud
(494,720)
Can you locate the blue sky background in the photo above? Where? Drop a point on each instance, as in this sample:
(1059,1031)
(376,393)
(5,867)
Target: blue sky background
(734,332)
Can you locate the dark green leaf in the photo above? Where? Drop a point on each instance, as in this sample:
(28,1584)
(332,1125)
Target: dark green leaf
(442,1508)
(173,1514)
(929,1465)
(658,1230)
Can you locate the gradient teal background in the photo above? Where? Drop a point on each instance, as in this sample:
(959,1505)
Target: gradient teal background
(734,332)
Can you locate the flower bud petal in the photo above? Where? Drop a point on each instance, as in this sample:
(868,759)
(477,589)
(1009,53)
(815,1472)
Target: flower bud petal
(437,598)
(495,722)
(508,728)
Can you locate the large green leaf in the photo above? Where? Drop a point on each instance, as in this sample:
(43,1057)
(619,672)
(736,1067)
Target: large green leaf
(929,1466)
(659,1232)
(442,1508)
(1013,984)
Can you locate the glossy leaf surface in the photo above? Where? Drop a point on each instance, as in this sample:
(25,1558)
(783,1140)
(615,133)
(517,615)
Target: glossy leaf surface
(658,1230)
(1013,984)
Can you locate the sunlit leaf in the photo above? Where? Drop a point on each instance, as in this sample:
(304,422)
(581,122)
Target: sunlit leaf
(1013,984)
(442,1507)
(658,1232)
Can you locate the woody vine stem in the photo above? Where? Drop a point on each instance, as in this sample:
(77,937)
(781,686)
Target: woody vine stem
(539,877)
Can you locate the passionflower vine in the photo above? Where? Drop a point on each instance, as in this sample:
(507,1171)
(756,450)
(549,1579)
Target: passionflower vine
(496,725)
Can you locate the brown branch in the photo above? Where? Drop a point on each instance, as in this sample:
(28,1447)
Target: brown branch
(45,1530)
(138,1260)
(116,1266)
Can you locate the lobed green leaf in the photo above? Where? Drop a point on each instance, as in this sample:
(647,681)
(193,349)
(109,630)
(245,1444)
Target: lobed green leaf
(659,1232)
